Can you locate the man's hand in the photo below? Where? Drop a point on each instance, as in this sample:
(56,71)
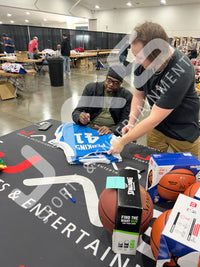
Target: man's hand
(84,118)
(126,129)
(103,130)
(116,147)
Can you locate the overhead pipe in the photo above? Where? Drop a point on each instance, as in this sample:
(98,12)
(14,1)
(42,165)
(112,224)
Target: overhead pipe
(69,10)
(35,4)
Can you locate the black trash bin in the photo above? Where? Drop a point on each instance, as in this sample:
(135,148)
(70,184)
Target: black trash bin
(56,70)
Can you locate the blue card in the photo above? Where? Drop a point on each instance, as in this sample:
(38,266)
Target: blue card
(115,182)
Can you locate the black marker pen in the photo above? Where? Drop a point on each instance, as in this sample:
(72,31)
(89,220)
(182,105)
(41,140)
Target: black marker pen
(191,229)
(174,223)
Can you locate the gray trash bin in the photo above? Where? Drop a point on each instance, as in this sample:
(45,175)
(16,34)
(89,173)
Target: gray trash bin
(56,70)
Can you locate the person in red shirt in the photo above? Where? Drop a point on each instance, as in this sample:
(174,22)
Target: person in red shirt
(32,44)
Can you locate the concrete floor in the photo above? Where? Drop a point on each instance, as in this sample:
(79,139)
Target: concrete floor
(40,101)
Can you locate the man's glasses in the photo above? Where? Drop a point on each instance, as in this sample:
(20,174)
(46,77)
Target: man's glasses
(115,83)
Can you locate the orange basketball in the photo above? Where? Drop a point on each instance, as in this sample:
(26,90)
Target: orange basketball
(108,209)
(175,182)
(156,231)
(192,189)
(147,211)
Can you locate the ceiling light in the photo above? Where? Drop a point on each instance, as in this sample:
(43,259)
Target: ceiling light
(129,4)
(9,15)
(45,19)
(1,22)
(96,6)
(11,21)
(27,13)
(26,20)
(163,2)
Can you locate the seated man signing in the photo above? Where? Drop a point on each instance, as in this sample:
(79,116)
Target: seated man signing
(105,106)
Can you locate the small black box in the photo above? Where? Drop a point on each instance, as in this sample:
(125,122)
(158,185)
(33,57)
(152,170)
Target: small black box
(127,224)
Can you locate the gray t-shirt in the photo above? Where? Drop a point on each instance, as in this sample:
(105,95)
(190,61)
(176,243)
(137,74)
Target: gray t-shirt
(173,88)
(192,45)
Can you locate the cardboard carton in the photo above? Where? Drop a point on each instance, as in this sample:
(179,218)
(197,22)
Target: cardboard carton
(7,90)
(181,235)
(82,63)
(160,164)
(21,55)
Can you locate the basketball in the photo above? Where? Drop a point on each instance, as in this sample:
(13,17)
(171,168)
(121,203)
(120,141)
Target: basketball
(107,208)
(192,189)
(156,231)
(150,177)
(175,182)
(147,210)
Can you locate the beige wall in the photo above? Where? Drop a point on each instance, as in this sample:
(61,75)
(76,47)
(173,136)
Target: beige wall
(183,20)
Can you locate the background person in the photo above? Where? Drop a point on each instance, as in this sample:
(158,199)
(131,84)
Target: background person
(183,46)
(58,51)
(1,48)
(192,48)
(105,115)
(123,53)
(124,57)
(170,91)
(9,46)
(40,59)
(32,44)
(65,52)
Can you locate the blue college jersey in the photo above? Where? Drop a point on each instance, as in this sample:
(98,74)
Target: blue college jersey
(82,144)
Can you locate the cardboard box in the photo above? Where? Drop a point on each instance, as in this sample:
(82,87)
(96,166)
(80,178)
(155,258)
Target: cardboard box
(181,235)
(82,63)
(127,225)
(160,164)
(90,65)
(21,55)
(7,90)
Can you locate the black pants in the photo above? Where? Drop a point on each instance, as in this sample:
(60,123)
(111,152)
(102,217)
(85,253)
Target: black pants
(192,54)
